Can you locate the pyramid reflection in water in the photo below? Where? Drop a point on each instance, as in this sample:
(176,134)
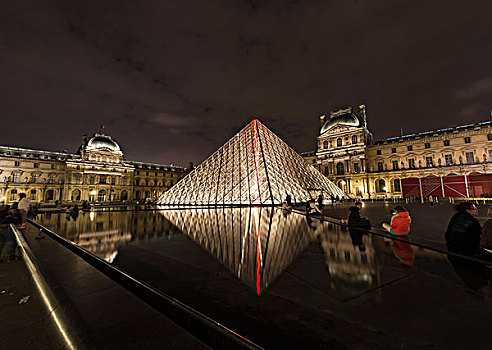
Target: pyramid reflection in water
(258,243)
(255,243)
(255,167)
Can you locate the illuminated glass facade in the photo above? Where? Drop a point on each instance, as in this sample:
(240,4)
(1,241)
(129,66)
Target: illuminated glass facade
(255,167)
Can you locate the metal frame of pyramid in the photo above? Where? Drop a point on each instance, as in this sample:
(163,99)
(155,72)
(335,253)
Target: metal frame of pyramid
(255,243)
(255,167)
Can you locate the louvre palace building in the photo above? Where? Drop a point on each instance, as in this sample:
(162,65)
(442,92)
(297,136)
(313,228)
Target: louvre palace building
(97,173)
(449,162)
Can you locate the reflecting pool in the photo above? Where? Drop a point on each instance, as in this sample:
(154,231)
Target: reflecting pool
(284,281)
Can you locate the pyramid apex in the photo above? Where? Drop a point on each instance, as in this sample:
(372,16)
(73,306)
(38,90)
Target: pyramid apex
(255,167)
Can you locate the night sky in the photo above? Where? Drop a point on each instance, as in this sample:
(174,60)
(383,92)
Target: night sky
(173,80)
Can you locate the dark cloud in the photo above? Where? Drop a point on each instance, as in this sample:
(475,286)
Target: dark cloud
(174,80)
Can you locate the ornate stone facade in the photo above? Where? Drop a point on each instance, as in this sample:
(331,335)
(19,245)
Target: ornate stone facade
(97,172)
(347,155)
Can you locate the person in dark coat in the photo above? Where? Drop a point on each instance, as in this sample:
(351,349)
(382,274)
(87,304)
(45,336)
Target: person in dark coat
(320,202)
(355,220)
(463,237)
(357,226)
(288,200)
(464,231)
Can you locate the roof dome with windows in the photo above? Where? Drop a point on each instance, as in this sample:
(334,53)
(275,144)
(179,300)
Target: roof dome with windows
(100,142)
(341,117)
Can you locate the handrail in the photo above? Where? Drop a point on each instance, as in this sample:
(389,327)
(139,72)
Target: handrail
(202,327)
(60,318)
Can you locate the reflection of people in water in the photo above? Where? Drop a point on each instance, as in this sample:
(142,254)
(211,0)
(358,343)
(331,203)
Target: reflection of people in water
(313,222)
(404,251)
(475,275)
(74,213)
(357,235)
(286,209)
(357,225)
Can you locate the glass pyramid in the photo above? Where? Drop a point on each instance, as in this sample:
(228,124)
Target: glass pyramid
(255,167)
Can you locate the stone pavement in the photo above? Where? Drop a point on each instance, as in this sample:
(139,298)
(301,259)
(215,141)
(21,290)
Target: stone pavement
(91,311)
(27,325)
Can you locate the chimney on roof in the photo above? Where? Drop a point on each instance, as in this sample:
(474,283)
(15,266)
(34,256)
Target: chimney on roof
(322,120)
(362,114)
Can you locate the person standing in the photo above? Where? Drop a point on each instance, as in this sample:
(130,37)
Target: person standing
(320,201)
(288,200)
(355,220)
(400,222)
(23,206)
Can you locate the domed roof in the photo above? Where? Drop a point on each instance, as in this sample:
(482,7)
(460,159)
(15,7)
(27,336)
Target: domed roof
(99,141)
(341,117)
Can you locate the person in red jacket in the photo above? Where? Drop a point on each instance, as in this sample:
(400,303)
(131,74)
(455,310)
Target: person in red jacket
(400,222)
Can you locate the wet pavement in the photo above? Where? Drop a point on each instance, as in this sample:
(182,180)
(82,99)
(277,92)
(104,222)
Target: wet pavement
(26,325)
(284,282)
(85,310)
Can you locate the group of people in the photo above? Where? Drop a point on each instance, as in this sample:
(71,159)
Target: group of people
(15,214)
(398,226)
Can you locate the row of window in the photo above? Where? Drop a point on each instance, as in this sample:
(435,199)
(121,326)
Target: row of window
(339,142)
(16,177)
(155,174)
(76,195)
(340,169)
(53,166)
(35,165)
(429,161)
(150,183)
(381,185)
(427,145)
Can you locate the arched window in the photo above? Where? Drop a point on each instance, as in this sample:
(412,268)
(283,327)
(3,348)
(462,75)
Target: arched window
(124,195)
(137,195)
(50,195)
(354,139)
(101,196)
(339,142)
(147,194)
(75,195)
(13,195)
(340,169)
(325,144)
(33,195)
(396,185)
(380,185)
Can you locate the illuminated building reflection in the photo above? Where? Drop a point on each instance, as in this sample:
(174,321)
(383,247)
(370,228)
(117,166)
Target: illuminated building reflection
(103,233)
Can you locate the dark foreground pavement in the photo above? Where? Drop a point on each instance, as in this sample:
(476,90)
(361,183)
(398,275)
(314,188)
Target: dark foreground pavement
(26,325)
(89,312)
